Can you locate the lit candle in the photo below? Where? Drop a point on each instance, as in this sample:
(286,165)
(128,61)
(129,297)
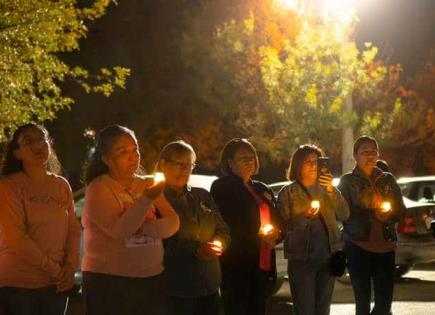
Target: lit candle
(386,206)
(216,245)
(266,229)
(159,177)
(315,204)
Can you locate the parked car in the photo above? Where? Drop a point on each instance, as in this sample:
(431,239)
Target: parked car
(419,188)
(416,242)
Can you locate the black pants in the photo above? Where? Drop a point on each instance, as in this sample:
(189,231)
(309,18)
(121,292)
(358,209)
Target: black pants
(41,301)
(245,292)
(366,268)
(204,305)
(107,294)
(311,286)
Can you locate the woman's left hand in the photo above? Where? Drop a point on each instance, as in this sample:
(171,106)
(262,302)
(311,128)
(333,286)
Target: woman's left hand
(325,180)
(271,238)
(66,281)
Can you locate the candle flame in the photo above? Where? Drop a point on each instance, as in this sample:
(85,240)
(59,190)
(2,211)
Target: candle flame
(266,229)
(386,206)
(159,177)
(315,204)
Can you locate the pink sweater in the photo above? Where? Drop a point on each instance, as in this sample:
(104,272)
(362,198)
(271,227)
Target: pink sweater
(121,233)
(32,254)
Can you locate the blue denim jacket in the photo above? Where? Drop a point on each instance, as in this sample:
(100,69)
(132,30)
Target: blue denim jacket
(359,192)
(200,222)
(292,203)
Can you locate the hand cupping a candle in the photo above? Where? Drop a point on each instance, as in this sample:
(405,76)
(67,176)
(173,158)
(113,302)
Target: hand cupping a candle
(384,210)
(210,250)
(313,210)
(269,234)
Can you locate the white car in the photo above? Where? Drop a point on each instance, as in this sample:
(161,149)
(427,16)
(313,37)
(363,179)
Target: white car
(418,188)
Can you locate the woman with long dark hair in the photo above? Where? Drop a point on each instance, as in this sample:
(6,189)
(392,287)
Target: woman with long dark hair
(123,232)
(39,232)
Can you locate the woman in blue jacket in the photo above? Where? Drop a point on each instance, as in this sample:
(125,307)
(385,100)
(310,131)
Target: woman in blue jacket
(311,207)
(376,204)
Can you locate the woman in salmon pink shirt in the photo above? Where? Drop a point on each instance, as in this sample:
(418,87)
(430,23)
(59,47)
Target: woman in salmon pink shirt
(123,232)
(39,232)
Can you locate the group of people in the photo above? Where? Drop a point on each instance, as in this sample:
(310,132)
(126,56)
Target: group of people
(163,247)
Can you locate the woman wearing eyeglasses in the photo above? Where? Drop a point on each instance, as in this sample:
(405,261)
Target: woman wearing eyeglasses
(376,204)
(248,206)
(192,271)
(39,231)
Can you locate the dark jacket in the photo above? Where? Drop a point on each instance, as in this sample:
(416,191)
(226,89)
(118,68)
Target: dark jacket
(359,192)
(241,212)
(200,222)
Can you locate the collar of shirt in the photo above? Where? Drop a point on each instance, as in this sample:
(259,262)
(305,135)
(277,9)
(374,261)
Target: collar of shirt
(376,173)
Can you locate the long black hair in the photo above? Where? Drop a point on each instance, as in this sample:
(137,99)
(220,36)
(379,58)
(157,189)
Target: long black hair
(11,164)
(105,140)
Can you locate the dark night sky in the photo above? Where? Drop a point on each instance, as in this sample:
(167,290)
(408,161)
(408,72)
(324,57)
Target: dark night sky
(407,27)
(143,35)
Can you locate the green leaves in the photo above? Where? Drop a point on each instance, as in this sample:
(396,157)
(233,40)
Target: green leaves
(32,34)
(286,77)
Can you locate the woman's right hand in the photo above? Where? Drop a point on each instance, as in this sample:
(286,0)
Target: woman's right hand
(153,191)
(311,212)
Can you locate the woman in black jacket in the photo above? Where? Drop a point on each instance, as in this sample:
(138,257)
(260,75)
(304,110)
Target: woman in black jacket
(248,207)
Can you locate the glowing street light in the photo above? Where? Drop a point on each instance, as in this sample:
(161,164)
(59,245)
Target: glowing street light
(331,10)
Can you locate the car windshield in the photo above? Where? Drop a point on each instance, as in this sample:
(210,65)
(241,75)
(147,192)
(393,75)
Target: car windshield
(422,191)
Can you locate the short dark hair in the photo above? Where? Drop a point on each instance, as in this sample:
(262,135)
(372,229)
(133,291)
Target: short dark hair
(229,151)
(12,165)
(174,148)
(297,159)
(95,166)
(364,139)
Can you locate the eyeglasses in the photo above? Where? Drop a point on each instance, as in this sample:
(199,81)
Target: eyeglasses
(182,165)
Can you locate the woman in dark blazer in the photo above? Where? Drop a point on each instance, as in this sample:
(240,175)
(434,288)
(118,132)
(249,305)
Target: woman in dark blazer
(248,207)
